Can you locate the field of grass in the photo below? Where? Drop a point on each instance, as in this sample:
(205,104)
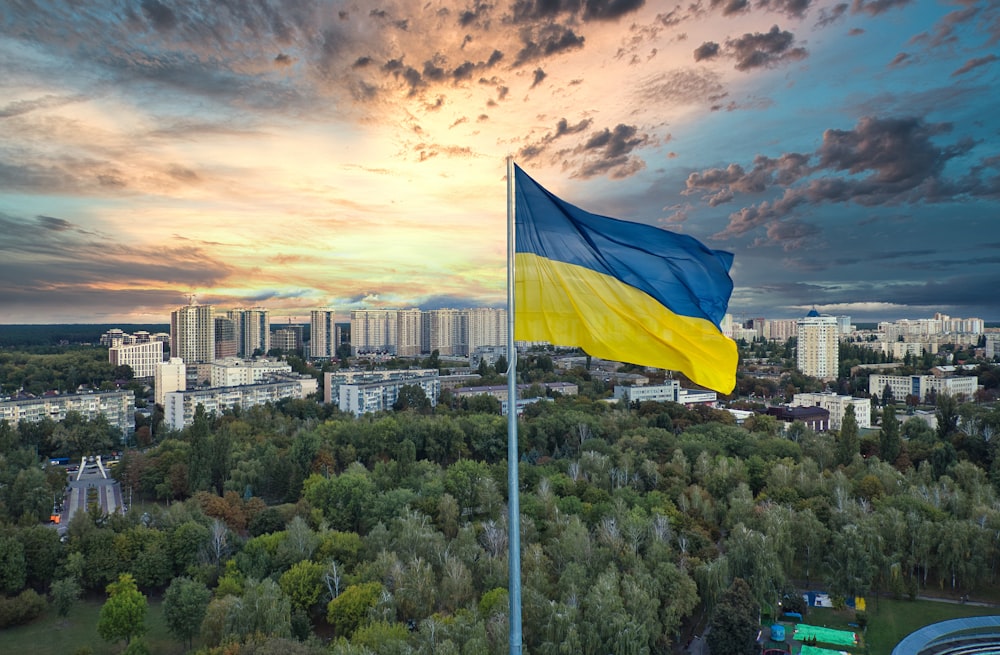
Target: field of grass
(894,619)
(52,635)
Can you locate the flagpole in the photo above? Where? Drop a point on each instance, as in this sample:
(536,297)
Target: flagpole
(513,488)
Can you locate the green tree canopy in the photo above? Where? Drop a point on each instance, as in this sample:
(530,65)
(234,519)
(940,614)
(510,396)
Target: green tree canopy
(123,615)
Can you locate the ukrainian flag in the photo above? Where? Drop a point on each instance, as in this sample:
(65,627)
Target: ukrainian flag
(622,291)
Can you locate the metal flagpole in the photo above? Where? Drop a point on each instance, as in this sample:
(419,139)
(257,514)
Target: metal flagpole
(513,488)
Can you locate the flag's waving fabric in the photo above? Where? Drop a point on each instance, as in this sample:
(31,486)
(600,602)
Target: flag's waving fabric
(622,291)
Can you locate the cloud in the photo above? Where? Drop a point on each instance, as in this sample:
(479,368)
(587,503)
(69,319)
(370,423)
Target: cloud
(755,50)
(608,152)
(828,16)
(881,160)
(563,128)
(764,49)
(707,50)
(876,7)
(544,41)
(537,77)
(974,63)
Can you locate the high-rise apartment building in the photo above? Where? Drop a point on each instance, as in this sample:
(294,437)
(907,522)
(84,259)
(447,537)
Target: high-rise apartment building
(487,326)
(227,342)
(322,334)
(288,339)
(192,333)
(819,346)
(169,376)
(409,332)
(253,330)
(447,331)
(373,331)
(141,357)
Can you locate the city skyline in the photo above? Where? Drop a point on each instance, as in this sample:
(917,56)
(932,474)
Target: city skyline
(301,155)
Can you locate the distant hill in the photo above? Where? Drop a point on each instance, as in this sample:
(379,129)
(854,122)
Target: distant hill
(15,336)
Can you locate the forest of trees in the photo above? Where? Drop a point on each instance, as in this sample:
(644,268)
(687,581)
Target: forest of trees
(290,527)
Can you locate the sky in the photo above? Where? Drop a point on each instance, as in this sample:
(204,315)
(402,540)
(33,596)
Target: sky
(299,154)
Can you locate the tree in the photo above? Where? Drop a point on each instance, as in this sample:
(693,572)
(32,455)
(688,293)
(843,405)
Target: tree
(13,568)
(303,584)
(184,606)
(349,611)
(123,615)
(889,441)
(412,397)
(65,593)
(734,623)
(849,443)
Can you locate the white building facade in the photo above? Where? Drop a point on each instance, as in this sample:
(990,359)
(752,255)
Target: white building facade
(819,346)
(118,407)
(192,333)
(322,334)
(921,386)
(169,376)
(142,357)
(837,405)
(179,406)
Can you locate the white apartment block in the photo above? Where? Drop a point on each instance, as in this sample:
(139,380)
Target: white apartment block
(232,371)
(409,332)
(117,406)
(782,329)
(660,393)
(192,333)
(487,327)
(322,334)
(332,380)
(179,406)
(253,330)
(167,377)
(992,345)
(373,331)
(142,357)
(921,385)
(447,331)
(369,397)
(926,327)
(837,405)
(819,346)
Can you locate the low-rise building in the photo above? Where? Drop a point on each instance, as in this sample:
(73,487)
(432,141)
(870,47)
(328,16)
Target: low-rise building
(814,418)
(837,405)
(118,407)
(921,386)
(367,397)
(180,406)
(141,357)
(332,380)
(660,393)
(232,371)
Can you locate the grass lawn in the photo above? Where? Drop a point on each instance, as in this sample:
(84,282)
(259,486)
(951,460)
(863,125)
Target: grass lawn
(892,620)
(51,635)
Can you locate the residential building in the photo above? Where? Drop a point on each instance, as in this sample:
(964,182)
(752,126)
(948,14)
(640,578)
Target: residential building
(332,380)
(233,371)
(227,341)
(487,327)
(366,397)
(837,405)
(499,391)
(373,331)
(322,334)
(180,406)
(288,339)
(814,418)
(118,407)
(660,393)
(409,332)
(921,386)
(818,346)
(192,333)
(253,330)
(447,331)
(167,377)
(141,357)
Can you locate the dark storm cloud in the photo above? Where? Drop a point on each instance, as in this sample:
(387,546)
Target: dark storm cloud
(974,63)
(707,50)
(764,49)
(881,160)
(544,41)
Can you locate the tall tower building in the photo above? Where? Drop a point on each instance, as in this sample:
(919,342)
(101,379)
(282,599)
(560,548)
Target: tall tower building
(409,332)
(192,333)
(227,343)
(322,334)
(487,327)
(253,330)
(819,346)
(447,331)
(374,331)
